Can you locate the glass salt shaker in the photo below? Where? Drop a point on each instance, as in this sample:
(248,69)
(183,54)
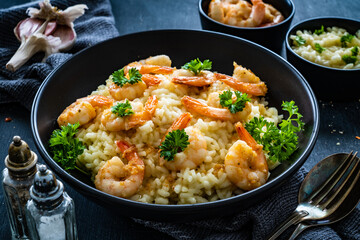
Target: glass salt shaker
(18,176)
(50,213)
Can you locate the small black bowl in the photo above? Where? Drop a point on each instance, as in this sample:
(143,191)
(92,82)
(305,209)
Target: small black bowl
(326,81)
(88,69)
(271,37)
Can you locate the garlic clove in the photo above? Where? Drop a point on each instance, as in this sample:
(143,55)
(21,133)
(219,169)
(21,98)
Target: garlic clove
(67,36)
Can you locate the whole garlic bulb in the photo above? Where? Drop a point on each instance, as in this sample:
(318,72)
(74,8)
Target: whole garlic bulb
(48,29)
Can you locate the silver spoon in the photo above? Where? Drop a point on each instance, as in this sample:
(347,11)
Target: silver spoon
(344,209)
(315,180)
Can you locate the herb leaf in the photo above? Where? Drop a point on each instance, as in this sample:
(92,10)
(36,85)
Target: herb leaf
(118,77)
(65,147)
(300,41)
(355,51)
(281,142)
(319,48)
(197,66)
(346,39)
(319,31)
(239,104)
(122,109)
(175,141)
(349,59)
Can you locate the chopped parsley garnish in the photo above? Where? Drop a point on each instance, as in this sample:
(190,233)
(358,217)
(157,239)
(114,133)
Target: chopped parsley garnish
(197,66)
(319,48)
(118,77)
(300,41)
(122,109)
(319,31)
(355,51)
(65,147)
(280,142)
(239,104)
(175,141)
(349,59)
(346,39)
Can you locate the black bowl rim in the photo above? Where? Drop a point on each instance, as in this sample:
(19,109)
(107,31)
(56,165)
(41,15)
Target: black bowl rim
(248,28)
(297,25)
(89,190)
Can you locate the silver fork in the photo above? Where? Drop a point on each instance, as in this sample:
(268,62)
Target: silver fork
(320,203)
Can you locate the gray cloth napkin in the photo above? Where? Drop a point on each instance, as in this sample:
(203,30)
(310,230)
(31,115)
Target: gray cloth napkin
(96,25)
(259,221)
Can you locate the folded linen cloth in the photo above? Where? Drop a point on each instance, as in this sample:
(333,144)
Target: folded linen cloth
(259,221)
(96,25)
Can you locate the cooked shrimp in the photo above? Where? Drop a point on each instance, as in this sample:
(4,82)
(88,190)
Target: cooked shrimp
(141,114)
(149,69)
(255,89)
(186,77)
(238,13)
(245,162)
(272,16)
(129,91)
(195,153)
(118,179)
(84,110)
(223,114)
(244,75)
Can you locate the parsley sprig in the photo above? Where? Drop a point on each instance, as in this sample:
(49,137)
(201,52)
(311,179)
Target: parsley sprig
(65,147)
(353,58)
(319,31)
(280,142)
(197,66)
(347,38)
(122,109)
(175,141)
(118,77)
(239,104)
(300,40)
(319,48)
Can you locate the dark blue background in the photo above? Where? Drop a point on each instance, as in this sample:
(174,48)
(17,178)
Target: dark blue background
(339,120)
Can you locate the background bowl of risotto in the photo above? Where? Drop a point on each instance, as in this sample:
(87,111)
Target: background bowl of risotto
(267,35)
(326,51)
(83,73)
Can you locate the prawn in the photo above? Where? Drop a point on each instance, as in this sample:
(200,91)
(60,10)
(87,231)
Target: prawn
(83,110)
(238,13)
(222,114)
(195,153)
(255,89)
(245,162)
(132,91)
(118,179)
(272,16)
(141,114)
(186,77)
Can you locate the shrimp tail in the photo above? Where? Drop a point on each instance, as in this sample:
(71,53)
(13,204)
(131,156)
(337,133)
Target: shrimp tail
(193,81)
(129,152)
(180,123)
(256,89)
(203,109)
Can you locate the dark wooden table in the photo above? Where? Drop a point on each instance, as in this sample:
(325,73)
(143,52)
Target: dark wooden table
(339,120)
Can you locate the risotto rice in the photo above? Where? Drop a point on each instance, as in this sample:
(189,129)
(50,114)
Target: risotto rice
(206,182)
(334,47)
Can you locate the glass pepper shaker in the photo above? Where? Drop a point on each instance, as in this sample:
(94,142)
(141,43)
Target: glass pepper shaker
(18,176)
(50,211)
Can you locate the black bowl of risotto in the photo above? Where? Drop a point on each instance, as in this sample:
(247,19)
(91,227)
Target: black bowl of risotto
(171,189)
(326,51)
(265,23)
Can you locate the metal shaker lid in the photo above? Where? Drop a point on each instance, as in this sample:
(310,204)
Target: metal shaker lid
(21,161)
(46,191)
